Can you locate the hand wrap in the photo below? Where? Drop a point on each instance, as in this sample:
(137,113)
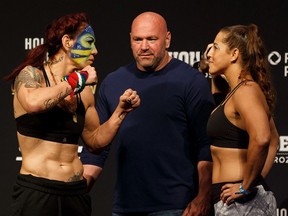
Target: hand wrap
(77,81)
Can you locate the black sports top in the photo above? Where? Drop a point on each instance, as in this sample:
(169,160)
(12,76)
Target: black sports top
(222,132)
(55,125)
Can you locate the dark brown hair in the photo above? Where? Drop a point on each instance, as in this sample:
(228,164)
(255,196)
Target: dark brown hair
(254,56)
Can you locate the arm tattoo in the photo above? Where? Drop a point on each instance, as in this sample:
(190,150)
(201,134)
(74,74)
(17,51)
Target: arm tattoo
(29,77)
(52,102)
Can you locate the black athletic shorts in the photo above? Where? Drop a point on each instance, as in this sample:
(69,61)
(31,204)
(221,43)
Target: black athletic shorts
(34,196)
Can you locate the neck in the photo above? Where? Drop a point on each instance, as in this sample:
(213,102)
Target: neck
(164,61)
(235,75)
(60,67)
(53,75)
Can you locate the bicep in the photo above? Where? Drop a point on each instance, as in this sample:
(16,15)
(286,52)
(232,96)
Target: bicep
(27,81)
(28,78)
(91,119)
(91,116)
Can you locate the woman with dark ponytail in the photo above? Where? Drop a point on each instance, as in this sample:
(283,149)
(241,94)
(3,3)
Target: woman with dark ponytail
(242,130)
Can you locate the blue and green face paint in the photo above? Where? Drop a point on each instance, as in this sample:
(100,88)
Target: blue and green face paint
(84,45)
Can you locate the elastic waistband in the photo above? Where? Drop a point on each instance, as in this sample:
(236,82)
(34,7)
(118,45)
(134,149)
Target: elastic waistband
(216,188)
(52,186)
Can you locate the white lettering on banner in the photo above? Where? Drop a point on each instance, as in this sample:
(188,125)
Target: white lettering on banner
(19,158)
(31,43)
(275,58)
(282,154)
(188,57)
(286,58)
(281,160)
(286,67)
(282,212)
(285,71)
(283,147)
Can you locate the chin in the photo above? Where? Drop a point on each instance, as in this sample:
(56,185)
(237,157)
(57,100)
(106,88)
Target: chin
(82,65)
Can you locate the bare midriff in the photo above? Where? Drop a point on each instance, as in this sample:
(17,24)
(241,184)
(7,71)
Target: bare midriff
(228,164)
(51,160)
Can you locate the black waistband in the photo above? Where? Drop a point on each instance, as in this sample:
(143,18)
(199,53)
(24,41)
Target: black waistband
(52,186)
(216,189)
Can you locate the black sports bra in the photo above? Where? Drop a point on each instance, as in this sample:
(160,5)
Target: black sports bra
(222,132)
(55,125)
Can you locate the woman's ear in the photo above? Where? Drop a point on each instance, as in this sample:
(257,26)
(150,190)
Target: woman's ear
(234,55)
(66,42)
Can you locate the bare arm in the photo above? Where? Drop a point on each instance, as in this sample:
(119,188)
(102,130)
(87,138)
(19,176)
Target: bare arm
(91,174)
(31,94)
(98,136)
(273,146)
(254,112)
(200,205)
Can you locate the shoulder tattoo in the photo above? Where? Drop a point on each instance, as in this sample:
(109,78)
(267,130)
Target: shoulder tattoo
(29,77)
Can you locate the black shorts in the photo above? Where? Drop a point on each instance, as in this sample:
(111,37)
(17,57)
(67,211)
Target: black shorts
(34,196)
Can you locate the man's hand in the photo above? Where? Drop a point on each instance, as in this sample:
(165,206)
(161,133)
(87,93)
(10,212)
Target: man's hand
(198,207)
